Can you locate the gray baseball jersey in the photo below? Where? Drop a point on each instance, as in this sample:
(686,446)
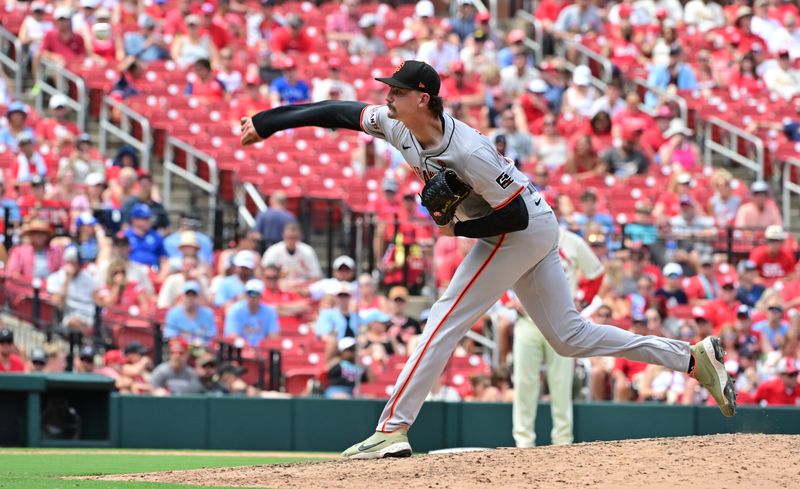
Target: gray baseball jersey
(525,260)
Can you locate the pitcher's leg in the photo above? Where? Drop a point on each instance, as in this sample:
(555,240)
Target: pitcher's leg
(528,357)
(560,373)
(545,294)
(481,278)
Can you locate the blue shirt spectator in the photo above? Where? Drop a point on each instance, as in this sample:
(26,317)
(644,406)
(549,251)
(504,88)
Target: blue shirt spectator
(251,319)
(270,223)
(147,246)
(291,92)
(773,328)
(675,73)
(232,286)
(17,116)
(146,45)
(189,319)
(338,321)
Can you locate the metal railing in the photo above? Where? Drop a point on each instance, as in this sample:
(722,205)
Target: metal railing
(731,134)
(190,173)
(790,187)
(536,44)
(62,78)
(252,192)
(16,66)
(123,131)
(683,108)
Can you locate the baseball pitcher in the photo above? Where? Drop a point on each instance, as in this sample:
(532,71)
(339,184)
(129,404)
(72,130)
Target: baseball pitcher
(471,190)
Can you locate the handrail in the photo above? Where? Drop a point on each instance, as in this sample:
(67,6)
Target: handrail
(608,68)
(732,151)
(255,195)
(789,187)
(62,78)
(123,131)
(17,66)
(534,44)
(683,108)
(190,173)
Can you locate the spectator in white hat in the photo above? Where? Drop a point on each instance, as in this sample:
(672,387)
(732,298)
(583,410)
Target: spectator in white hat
(344,270)
(338,321)
(34,27)
(761,211)
(61,45)
(233,286)
(774,259)
(344,371)
(580,96)
(250,319)
(367,43)
(58,129)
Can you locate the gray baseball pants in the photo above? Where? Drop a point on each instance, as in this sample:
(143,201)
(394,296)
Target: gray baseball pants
(528,262)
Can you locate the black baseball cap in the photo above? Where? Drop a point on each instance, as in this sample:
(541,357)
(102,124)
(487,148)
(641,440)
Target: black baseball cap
(414,75)
(135,347)
(6,336)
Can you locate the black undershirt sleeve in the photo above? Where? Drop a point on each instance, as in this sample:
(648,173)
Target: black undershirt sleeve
(512,217)
(331,114)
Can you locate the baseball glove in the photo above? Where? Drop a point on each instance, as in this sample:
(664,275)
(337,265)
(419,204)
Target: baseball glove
(442,194)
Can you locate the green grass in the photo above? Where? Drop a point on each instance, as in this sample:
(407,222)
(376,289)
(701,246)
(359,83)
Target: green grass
(41,471)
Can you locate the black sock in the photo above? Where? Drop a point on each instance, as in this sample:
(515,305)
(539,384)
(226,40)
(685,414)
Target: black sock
(691,364)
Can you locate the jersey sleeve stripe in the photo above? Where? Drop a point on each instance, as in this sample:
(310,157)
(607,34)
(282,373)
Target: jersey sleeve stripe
(400,391)
(510,199)
(361,118)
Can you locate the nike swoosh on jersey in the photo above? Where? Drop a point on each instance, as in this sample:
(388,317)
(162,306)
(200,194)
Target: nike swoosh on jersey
(364,448)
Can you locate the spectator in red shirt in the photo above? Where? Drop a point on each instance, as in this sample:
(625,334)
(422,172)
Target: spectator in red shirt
(631,116)
(761,211)
(653,136)
(35,205)
(458,87)
(61,45)
(290,305)
(746,79)
(722,310)
(782,390)
(703,286)
(742,22)
(773,259)
(342,25)
(9,362)
(121,292)
(205,86)
(627,372)
(292,37)
(58,129)
(214,27)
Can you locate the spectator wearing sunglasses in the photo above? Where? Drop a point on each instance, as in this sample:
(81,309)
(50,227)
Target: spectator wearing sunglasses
(250,319)
(773,329)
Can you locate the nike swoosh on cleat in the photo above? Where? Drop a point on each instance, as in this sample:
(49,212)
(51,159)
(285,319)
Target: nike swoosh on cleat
(364,448)
(537,201)
(406,147)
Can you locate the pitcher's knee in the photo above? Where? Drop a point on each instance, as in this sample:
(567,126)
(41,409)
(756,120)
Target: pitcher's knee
(569,343)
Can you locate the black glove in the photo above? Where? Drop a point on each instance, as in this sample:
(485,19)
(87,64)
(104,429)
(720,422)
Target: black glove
(442,194)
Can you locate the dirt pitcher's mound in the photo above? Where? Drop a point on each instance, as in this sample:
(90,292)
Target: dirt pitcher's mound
(721,461)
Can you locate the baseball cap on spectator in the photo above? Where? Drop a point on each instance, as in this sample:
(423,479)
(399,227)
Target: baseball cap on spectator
(26,137)
(367,20)
(208,8)
(135,347)
(537,85)
(398,292)
(113,357)
(87,352)
(374,316)
(344,261)
(141,211)
(188,239)
(759,186)
(37,226)
(334,63)
(37,7)
(424,8)
(294,21)
(85,219)
(727,281)
(630,129)
(344,289)
(783,53)
(483,17)
(749,266)
(582,76)
(643,206)
(178,345)
(93,179)
(192,20)
(515,35)
(6,336)
(775,233)
(706,259)
(84,138)
(686,200)
(16,107)
(389,185)
(56,101)
(699,313)
(191,287)
(685,178)
(38,355)
(625,10)
(677,126)
(62,13)
(743,311)
(288,64)
(254,287)
(89,3)
(788,366)
(675,50)
(672,269)
(246,259)
(252,79)
(346,343)
(742,12)
(661,13)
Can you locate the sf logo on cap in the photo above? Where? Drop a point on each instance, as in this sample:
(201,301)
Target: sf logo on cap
(399,67)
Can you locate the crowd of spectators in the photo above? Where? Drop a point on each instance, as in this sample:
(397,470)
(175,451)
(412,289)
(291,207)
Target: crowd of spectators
(92,229)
